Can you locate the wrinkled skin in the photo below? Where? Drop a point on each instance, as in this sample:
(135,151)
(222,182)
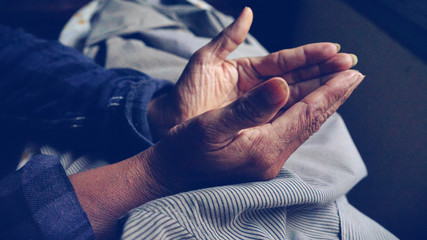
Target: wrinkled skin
(241,136)
(225,122)
(211,81)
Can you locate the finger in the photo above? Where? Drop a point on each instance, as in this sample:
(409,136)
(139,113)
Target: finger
(230,38)
(301,89)
(256,107)
(304,118)
(339,62)
(281,62)
(289,131)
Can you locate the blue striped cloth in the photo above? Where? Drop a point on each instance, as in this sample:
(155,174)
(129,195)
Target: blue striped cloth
(306,201)
(308,198)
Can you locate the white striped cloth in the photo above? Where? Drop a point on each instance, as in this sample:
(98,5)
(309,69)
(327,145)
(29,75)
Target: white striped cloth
(306,201)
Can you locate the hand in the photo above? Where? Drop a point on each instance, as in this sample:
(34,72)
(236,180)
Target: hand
(236,143)
(241,141)
(211,81)
(245,122)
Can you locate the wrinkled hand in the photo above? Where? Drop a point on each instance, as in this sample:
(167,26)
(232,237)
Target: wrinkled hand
(246,140)
(230,121)
(241,141)
(212,81)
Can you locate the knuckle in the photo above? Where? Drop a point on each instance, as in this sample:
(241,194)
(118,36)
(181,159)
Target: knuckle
(281,60)
(315,116)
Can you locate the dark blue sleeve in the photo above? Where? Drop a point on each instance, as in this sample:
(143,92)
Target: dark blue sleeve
(50,90)
(38,202)
(47,89)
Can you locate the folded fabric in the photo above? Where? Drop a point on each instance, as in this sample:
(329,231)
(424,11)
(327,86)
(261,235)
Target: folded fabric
(306,201)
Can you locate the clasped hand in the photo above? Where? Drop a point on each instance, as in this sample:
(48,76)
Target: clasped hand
(230,121)
(226,121)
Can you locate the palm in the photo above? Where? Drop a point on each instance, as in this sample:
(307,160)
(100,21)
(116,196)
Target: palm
(211,81)
(241,141)
(208,84)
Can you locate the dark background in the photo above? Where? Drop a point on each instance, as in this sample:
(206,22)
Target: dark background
(387,114)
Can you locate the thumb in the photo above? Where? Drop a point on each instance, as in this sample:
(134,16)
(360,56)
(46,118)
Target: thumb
(255,108)
(231,37)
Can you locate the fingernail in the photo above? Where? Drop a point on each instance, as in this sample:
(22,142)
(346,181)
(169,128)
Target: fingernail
(354,58)
(245,9)
(358,76)
(338,46)
(358,72)
(277,93)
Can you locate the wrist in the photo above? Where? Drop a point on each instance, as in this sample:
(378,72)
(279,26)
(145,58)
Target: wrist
(151,174)
(163,113)
(109,192)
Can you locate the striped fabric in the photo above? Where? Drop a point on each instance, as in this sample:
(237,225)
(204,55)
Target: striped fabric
(306,201)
